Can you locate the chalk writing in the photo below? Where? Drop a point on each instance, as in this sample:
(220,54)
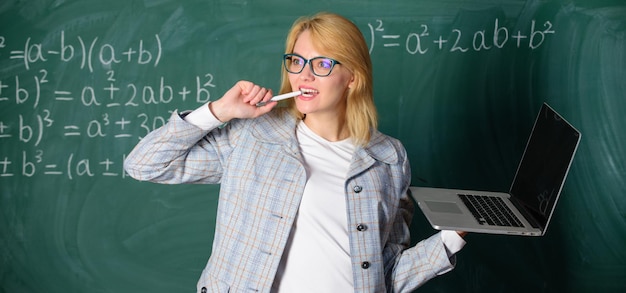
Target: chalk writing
(71,166)
(105,53)
(422,41)
(110,108)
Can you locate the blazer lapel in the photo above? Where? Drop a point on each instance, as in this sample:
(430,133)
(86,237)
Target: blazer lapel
(378,149)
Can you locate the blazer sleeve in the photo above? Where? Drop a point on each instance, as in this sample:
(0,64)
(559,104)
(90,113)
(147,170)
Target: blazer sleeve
(414,266)
(179,152)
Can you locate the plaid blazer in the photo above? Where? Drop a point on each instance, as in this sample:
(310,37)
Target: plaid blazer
(262,177)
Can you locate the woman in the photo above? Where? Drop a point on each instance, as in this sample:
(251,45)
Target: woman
(313,197)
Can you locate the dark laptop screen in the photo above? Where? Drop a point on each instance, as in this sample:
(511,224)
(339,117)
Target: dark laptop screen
(545,163)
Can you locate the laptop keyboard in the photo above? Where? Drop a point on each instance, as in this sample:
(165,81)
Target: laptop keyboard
(490,210)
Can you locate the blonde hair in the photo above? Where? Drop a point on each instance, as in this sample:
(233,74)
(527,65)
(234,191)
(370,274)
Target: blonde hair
(338,38)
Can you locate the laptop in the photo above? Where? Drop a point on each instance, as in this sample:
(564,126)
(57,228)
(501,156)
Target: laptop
(528,207)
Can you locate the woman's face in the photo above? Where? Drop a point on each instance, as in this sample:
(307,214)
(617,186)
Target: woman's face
(322,96)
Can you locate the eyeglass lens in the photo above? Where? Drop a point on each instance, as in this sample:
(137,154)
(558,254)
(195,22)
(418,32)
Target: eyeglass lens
(321,66)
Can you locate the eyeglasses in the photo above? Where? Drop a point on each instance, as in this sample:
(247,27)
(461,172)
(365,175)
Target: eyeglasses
(320,66)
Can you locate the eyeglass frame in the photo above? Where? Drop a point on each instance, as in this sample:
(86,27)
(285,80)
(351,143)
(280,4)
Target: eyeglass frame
(333,62)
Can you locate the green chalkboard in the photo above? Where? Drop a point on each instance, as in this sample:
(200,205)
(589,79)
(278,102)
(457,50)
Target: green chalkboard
(459,82)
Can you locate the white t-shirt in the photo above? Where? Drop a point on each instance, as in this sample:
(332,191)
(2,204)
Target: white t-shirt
(317,258)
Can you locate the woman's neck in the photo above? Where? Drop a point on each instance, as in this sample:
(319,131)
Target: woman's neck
(331,129)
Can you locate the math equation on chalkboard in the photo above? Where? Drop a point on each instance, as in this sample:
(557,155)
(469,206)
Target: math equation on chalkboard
(423,40)
(54,125)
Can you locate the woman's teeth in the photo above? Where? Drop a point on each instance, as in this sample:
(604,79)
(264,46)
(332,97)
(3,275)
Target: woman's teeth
(308,92)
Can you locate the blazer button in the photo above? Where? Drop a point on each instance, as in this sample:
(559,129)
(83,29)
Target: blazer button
(203,290)
(357,188)
(361,227)
(365,265)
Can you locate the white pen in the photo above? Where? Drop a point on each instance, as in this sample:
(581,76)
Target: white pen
(280,97)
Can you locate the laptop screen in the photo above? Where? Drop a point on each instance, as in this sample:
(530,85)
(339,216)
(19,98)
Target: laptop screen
(544,165)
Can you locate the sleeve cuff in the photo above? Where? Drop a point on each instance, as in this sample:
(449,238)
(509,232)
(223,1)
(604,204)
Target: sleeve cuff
(203,118)
(452,241)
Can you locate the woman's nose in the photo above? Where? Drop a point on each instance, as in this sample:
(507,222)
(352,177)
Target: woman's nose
(307,73)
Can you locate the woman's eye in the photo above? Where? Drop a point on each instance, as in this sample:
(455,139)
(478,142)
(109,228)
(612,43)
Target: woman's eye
(325,63)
